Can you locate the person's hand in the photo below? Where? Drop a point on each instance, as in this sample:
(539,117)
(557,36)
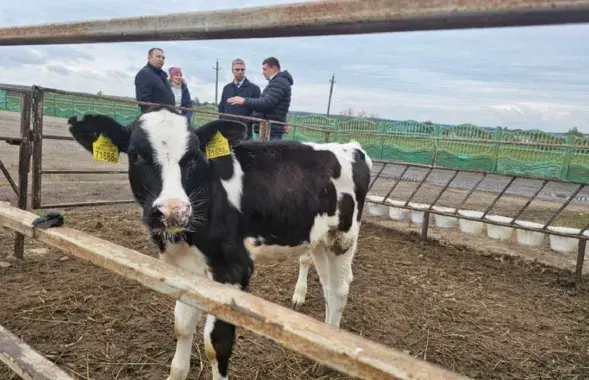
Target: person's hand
(286,129)
(236,100)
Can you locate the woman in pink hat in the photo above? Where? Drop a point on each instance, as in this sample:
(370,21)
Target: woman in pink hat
(180,90)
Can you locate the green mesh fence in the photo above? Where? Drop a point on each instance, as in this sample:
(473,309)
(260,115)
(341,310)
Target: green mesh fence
(464,146)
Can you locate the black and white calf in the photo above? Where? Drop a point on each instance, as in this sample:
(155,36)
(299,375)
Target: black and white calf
(216,217)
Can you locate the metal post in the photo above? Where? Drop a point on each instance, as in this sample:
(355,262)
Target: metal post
(264,130)
(425,226)
(580,260)
(38,98)
(23,167)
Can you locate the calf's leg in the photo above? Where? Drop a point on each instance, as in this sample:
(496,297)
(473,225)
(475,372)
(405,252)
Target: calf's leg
(300,292)
(335,272)
(185,320)
(185,317)
(219,337)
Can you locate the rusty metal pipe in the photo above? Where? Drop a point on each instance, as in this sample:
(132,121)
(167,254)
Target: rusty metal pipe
(520,176)
(498,197)
(376,177)
(564,205)
(83,204)
(332,17)
(8,177)
(85,172)
(38,98)
(481,219)
(24,163)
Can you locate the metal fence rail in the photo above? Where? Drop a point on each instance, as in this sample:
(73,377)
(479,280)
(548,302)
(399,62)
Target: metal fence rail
(343,351)
(465,146)
(319,133)
(24,154)
(332,17)
(430,209)
(38,94)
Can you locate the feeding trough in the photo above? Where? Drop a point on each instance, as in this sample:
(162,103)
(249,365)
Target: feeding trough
(471,227)
(397,213)
(443,221)
(417,216)
(564,244)
(375,209)
(530,238)
(499,232)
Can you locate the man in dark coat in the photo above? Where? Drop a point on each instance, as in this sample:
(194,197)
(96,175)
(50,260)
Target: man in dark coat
(274,102)
(151,82)
(240,86)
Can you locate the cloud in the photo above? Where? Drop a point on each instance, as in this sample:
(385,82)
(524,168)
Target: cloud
(530,78)
(19,57)
(58,69)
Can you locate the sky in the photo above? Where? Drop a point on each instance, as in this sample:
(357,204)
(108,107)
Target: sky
(528,78)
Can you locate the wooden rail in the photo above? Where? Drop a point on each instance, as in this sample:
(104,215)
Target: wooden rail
(26,362)
(335,348)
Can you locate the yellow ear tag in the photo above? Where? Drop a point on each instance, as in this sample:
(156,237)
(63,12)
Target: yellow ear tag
(218,146)
(104,150)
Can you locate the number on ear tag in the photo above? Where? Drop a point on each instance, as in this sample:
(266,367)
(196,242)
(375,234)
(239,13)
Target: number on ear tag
(105,150)
(218,146)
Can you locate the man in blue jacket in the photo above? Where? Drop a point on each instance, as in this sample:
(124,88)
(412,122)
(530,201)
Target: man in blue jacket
(239,86)
(151,82)
(274,102)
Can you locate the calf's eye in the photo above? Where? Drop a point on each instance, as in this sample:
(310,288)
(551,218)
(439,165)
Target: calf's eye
(133,156)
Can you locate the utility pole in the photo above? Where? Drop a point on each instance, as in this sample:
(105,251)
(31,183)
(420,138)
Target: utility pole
(332,81)
(217,69)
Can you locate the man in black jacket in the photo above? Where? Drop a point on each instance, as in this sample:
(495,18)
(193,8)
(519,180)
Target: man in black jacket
(274,103)
(151,82)
(239,86)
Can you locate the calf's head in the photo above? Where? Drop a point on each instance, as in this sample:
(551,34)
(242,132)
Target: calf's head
(169,172)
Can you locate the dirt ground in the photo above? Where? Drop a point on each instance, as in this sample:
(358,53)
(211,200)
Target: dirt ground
(475,308)
(483,316)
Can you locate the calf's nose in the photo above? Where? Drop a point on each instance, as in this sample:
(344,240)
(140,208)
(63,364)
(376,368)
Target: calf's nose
(174,211)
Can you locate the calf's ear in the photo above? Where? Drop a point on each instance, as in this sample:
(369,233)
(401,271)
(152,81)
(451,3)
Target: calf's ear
(215,132)
(87,131)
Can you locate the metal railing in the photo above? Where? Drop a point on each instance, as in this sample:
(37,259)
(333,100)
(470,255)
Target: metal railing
(331,17)
(38,138)
(302,19)
(37,172)
(430,208)
(24,153)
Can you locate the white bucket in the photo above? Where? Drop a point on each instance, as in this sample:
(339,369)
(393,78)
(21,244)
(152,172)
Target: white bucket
(417,216)
(443,221)
(374,209)
(397,213)
(531,238)
(564,244)
(469,226)
(499,232)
